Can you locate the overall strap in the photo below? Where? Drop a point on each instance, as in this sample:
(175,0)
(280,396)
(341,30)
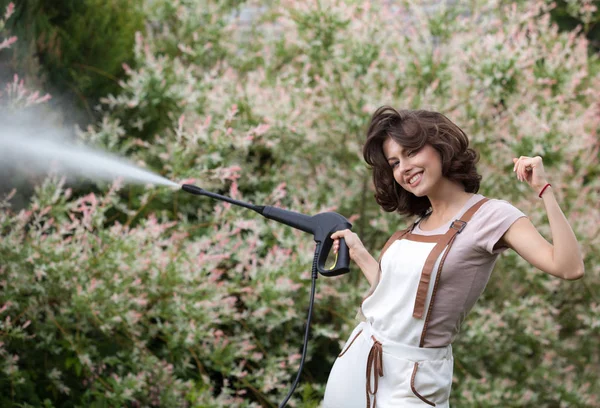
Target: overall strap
(445,240)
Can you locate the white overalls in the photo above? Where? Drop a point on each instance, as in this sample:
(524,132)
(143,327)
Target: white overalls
(384,364)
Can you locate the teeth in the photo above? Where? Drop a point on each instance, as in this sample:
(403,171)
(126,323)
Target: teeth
(414,178)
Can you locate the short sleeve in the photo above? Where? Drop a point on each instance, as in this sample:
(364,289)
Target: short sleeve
(495,219)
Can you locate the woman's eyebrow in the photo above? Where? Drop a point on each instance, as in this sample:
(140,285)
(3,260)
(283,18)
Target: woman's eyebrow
(395,156)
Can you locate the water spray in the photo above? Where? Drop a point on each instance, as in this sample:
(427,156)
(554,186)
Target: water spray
(37,146)
(322,226)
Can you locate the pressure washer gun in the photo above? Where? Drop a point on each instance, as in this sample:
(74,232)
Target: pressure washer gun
(321,226)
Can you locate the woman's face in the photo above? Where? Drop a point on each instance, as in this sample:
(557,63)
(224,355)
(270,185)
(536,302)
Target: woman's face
(418,172)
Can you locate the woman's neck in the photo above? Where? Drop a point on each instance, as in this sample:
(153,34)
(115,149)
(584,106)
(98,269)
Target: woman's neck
(447,200)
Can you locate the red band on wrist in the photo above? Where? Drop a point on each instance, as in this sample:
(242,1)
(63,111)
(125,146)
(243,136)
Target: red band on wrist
(544,189)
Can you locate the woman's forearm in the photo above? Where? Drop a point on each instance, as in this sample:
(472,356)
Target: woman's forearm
(368,265)
(566,253)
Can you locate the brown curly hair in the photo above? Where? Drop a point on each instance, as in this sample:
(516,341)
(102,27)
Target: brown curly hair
(413,129)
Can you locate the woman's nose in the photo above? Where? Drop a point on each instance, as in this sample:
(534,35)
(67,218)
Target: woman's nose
(405,168)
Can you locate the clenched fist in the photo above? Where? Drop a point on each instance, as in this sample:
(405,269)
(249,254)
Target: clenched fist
(352,241)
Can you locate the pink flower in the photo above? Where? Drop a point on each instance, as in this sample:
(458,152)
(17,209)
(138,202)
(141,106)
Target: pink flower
(10,9)
(8,42)
(6,306)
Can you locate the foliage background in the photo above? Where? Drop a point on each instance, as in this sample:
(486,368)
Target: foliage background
(117,295)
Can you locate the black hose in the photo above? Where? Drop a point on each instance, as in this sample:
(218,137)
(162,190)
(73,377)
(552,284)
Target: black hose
(307,331)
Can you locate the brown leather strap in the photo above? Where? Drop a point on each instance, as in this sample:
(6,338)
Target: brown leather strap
(350,345)
(414,390)
(375,367)
(433,293)
(456,227)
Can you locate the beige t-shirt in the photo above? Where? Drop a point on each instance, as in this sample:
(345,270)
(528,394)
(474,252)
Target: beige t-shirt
(467,267)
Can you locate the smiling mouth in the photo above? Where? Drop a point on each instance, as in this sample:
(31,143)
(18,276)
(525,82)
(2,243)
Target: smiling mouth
(415,178)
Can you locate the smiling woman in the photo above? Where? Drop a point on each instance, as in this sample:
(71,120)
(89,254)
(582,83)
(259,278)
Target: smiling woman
(401,141)
(430,275)
(409,167)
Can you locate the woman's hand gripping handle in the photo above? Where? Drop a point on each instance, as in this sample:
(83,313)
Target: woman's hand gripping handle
(358,253)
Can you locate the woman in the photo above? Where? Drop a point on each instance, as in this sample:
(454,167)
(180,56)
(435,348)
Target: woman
(430,275)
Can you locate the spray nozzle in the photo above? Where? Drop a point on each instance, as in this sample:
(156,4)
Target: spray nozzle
(321,226)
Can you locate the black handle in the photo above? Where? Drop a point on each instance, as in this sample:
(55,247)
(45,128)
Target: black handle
(322,226)
(342,259)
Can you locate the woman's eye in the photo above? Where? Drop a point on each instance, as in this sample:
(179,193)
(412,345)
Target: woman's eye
(413,152)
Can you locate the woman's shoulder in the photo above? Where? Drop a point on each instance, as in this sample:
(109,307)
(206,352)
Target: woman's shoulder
(497,205)
(491,206)
(495,212)
(491,221)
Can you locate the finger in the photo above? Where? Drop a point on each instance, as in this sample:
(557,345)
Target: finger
(516,168)
(525,167)
(523,161)
(339,234)
(520,169)
(517,163)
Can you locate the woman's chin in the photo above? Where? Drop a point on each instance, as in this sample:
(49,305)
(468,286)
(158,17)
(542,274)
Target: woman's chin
(419,191)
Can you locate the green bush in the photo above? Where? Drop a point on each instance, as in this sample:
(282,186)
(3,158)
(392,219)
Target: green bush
(149,297)
(75,48)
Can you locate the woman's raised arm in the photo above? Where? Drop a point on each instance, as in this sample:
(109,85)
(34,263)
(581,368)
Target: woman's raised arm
(563,257)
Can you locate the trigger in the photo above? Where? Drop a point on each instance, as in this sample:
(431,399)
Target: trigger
(335,262)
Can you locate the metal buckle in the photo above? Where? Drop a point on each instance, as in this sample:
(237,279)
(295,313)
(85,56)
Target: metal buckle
(462,226)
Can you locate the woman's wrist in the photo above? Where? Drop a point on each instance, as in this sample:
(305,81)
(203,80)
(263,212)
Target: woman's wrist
(543,189)
(362,256)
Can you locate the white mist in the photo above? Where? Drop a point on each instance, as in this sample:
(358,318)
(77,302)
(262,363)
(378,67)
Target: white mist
(36,146)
